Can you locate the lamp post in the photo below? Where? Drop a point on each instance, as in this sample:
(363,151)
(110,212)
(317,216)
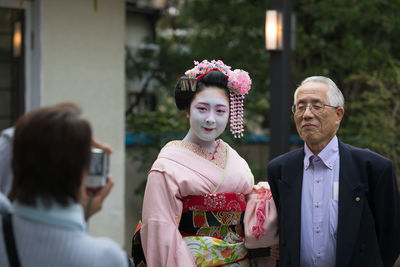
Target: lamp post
(279,41)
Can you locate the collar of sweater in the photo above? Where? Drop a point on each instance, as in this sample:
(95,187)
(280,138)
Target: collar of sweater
(70,216)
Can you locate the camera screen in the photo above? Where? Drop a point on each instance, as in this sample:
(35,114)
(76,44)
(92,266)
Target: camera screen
(96,166)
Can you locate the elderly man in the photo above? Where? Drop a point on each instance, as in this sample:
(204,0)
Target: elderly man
(338,205)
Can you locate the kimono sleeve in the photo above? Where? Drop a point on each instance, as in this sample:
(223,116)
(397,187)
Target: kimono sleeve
(161,240)
(261,218)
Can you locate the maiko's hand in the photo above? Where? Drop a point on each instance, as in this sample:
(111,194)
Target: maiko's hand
(106,148)
(92,199)
(275,252)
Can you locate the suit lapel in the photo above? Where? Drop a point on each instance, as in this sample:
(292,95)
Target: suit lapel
(350,206)
(290,186)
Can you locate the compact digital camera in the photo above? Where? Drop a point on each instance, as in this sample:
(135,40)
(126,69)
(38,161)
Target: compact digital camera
(99,169)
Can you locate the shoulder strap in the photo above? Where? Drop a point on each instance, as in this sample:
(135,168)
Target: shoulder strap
(10,241)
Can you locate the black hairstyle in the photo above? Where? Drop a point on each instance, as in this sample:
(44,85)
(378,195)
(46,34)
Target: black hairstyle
(187,88)
(51,149)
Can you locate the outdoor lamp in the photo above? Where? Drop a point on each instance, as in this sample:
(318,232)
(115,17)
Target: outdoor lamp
(17,39)
(273,30)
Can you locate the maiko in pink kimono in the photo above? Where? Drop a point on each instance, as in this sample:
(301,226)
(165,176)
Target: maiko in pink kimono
(201,207)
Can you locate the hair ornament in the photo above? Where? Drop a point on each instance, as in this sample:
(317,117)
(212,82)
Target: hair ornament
(239,81)
(200,77)
(239,84)
(187,84)
(206,66)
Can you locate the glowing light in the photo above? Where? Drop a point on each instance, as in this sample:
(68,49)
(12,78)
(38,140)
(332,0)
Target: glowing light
(273,30)
(17,39)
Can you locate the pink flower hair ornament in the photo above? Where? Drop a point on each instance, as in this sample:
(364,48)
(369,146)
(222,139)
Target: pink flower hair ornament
(239,84)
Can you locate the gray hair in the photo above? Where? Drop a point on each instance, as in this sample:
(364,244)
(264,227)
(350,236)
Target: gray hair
(334,95)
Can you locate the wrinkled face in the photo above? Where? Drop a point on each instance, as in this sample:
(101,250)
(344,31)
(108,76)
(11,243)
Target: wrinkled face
(209,113)
(316,128)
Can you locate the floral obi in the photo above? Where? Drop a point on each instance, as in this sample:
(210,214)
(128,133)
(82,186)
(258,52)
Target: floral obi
(215,215)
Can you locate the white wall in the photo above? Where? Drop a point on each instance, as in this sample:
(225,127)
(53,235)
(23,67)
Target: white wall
(83,62)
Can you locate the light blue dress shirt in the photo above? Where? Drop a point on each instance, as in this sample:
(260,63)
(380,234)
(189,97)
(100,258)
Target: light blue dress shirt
(319,206)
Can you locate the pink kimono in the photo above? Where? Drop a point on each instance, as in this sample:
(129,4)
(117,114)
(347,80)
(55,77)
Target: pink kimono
(188,185)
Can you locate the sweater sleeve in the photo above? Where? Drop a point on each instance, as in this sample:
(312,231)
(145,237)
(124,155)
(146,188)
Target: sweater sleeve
(162,208)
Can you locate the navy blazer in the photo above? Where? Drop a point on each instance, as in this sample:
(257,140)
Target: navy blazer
(368,232)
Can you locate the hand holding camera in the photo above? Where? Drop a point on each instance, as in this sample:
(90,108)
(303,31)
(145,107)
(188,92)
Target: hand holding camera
(99,169)
(98,182)
(92,199)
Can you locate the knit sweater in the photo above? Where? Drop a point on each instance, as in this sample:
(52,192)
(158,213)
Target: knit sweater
(43,245)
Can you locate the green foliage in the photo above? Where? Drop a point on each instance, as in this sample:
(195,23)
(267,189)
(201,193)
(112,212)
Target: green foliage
(217,30)
(160,126)
(339,38)
(207,29)
(375,118)
(356,44)
(353,42)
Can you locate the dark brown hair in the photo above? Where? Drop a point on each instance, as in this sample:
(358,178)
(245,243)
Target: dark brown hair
(184,93)
(51,149)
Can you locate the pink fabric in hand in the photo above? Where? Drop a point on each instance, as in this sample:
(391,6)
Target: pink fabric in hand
(261,218)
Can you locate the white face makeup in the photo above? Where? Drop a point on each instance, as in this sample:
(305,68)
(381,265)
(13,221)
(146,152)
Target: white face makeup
(209,114)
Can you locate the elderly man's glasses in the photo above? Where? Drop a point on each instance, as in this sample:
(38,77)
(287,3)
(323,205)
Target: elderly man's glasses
(316,108)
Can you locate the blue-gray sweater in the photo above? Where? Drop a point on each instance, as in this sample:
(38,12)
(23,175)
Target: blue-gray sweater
(41,244)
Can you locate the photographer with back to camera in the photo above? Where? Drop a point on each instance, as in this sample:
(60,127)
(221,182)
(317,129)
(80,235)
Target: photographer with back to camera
(46,227)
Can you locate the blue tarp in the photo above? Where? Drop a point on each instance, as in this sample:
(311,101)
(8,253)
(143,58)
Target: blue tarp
(134,139)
